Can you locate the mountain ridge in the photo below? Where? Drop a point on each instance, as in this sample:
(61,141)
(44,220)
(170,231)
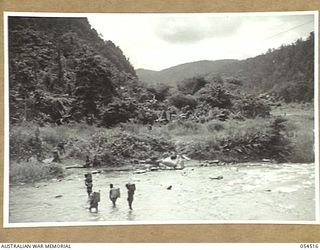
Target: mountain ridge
(286,68)
(185,70)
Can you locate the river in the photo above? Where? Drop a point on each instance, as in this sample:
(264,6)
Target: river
(247,192)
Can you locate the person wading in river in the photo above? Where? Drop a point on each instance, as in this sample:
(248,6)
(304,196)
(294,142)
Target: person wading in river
(114,194)
(94,201)
(131,188)
(88,183)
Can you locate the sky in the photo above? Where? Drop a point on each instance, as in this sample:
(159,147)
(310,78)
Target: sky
(159,41)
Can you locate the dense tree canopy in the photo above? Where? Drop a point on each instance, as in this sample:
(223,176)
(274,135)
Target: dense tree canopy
(272,71)
(63,56)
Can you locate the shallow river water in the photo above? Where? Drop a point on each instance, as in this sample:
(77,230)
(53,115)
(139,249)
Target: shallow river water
(255,191)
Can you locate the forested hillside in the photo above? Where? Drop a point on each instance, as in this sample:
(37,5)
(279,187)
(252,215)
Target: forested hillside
(59,68)
(286,71)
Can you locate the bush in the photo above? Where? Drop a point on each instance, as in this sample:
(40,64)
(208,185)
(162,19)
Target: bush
(214,126)
(250,140)
(34,171)
(296,91)
(146,116)
(192,85)
(234,81)
(118,111)
(183,127)
(179,101)
(25,141)
(251,107)
(214,96)
(160,91)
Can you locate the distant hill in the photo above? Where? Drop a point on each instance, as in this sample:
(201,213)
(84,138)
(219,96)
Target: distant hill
(287,71)
(187,70)
(147,75)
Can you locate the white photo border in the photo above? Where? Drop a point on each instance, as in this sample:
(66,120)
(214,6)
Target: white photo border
(7,224)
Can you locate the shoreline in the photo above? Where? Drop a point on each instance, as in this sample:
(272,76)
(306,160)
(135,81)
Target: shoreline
(144,168)
(140,167)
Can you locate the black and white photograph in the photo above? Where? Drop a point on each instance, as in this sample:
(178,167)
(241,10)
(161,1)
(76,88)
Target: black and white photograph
(161,118)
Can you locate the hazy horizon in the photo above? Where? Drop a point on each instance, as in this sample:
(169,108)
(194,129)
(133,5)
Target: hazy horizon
(188,63)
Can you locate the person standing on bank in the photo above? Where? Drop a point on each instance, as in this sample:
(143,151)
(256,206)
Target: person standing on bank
(114,194)
(131,188)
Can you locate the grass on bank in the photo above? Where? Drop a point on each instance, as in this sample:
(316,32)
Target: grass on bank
(34,171)
(197,137)
(299,131)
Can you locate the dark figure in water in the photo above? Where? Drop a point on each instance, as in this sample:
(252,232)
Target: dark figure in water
(94,201)
(114,194)
(131,188)
(88,183)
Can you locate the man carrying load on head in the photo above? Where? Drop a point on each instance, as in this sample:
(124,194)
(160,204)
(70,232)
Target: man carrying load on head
(94,201)
(114,194)
(88,183)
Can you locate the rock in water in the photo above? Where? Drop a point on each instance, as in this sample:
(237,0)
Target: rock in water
(214,162)
(96,172)
(216,178)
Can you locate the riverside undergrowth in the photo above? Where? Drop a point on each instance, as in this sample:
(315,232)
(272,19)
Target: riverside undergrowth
(286,138)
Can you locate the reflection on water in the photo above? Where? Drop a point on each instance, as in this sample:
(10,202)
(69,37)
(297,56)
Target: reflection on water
(247,192)
(130,215)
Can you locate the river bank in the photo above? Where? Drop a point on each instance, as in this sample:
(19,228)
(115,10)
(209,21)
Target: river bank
(286,136)
(60,171)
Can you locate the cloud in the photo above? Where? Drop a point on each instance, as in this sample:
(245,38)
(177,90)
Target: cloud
(157,41)
(192,29)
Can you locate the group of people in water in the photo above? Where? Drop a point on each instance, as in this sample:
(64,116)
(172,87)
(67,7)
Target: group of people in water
(173,161)
(114,193)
